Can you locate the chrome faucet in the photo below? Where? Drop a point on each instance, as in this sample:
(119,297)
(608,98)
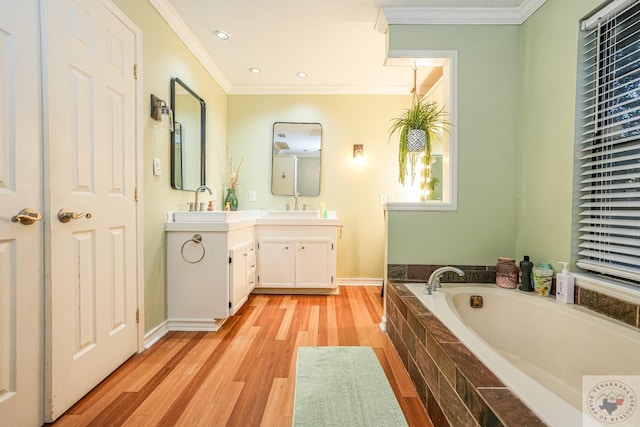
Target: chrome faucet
(198,190)
(434,279)
(295,196)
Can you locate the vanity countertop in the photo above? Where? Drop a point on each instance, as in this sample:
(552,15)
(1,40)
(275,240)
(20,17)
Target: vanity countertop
(227,221)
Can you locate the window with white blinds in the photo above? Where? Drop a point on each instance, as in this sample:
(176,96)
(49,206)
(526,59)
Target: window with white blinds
(609,142)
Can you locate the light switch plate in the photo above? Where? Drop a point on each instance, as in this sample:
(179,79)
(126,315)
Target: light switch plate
(157,170)
(252,196)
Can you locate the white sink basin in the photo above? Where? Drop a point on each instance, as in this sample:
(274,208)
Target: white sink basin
(293,214)
(210,216)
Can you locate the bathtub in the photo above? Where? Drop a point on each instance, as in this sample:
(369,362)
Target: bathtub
(537,347)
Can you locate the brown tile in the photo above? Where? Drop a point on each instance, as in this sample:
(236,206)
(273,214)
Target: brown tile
(408,337)
(393,315)
(470,367)
(453,407)
(417,327)
(444,363)
(421,271)
(417,379)
(402,290)
(474,403)
(480,277)
(509,409)
(435,413)
(436,328)
(401,348)
(428,368)
(391,331)
(609,306)
(397,271)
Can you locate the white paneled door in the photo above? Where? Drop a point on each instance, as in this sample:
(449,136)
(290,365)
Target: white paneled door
(21,242)
(90,151)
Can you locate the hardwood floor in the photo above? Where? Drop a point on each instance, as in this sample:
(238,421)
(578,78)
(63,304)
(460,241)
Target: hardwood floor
(244,374)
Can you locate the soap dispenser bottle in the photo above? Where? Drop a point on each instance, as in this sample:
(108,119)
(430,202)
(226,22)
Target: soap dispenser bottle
(564,285)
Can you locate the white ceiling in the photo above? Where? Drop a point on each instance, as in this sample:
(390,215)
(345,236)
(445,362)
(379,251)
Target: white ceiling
(340,44)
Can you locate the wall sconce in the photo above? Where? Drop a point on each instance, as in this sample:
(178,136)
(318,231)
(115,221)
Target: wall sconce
(161,113)
(358,151)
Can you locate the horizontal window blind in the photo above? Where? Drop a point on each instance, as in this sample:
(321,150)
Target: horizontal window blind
(609,143)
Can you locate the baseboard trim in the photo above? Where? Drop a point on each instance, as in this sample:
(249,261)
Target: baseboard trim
(151,337)
(154,335)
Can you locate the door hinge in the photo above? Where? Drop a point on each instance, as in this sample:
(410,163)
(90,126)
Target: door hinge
(332,246)
(230,305)
(230,260)
(137,315)
(331,279)
(258,246)
(135,71)
(136,194)
(258,281)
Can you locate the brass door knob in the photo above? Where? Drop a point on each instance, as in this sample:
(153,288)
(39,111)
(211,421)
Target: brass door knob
(27,216)
(65,215)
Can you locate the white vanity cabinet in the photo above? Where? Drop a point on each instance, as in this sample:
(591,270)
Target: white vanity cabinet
(242,261)
(210,272)
(296,256)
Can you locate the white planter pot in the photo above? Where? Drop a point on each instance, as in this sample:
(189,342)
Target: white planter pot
(416,140)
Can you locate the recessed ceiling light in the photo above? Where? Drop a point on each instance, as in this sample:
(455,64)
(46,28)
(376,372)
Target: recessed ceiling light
(302,74)
(222,35)
(255,70)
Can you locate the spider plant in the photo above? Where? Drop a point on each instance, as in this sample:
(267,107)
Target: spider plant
(423,115)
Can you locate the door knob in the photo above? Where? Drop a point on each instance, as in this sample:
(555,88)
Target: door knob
(27,216)
(65,215)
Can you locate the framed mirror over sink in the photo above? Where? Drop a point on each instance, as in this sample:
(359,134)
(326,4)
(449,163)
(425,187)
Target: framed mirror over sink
(188,138)
(296,159)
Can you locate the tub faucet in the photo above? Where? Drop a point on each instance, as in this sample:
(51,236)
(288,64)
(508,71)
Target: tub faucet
(434,279)
(198,190)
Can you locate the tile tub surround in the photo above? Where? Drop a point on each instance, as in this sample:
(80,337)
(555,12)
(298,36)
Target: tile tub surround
(421,273)
(456,389)
(615,308)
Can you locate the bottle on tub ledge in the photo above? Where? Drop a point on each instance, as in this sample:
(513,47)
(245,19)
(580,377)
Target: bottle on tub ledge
(564,285)
(526,277)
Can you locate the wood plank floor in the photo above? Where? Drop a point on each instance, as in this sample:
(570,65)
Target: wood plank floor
(244,374)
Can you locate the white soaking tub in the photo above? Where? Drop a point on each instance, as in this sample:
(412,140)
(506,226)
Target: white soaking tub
(538,347)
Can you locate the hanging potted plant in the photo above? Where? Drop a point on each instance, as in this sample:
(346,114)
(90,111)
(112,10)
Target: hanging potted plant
(418,127)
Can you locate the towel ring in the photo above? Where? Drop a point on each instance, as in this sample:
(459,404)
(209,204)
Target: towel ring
(197,239)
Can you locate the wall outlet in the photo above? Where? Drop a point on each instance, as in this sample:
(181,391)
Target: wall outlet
(252,196)
(383,199)
(157,170)
(390,198)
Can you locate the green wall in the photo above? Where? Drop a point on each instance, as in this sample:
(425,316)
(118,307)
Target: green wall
(165,56)
(484,226)
(548,52)
(350,189)
(516,88)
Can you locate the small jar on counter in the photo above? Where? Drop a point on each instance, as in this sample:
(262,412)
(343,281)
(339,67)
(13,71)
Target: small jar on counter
(507,273)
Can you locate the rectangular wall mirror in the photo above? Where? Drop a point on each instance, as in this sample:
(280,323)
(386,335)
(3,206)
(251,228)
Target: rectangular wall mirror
(296,159)
(188,139)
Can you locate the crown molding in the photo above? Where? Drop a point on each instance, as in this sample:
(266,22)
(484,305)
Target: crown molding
(456,15)
(182,30)
(319,90)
